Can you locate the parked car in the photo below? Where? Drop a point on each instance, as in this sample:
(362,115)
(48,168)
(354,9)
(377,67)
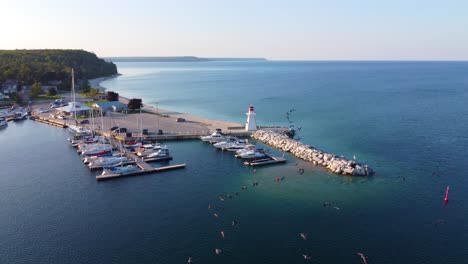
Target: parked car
(113,128)
(120,130)
(180,119)
(83,122)
(61,117)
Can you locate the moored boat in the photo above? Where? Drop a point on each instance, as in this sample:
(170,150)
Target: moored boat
(118,169)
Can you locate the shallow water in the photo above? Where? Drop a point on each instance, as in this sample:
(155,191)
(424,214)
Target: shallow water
(407,120)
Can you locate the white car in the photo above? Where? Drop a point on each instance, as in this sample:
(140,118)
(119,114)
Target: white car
(61,117)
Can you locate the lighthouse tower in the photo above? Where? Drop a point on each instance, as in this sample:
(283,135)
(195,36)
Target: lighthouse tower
(251,124)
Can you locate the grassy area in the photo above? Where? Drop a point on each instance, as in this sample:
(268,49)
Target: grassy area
(48,97)
(6,103)
(91,93)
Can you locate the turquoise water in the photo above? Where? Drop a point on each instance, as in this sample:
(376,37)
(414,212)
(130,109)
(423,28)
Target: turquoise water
(407,120)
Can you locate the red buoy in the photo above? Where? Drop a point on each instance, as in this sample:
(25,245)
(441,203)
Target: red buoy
(446,194)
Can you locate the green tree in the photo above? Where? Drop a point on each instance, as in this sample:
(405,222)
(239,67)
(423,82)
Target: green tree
(36,90)
(85,88)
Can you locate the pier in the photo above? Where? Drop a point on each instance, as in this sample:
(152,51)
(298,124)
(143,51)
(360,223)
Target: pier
(143,171)
(49,121)
(334,163)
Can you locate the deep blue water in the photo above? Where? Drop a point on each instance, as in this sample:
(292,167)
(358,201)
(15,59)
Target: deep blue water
(408,120)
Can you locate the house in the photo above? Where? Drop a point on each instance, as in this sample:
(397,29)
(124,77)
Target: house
(45,88)
(10,86)
(75,109)
(110,106)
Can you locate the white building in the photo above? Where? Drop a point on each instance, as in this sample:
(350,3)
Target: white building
(251,124)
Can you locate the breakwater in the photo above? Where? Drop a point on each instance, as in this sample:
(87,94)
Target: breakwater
(335,164)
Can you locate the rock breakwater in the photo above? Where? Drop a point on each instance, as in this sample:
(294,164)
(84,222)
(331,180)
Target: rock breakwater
(335,164)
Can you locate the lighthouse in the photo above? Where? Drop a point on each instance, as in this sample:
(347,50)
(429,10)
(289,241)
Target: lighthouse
(251,124)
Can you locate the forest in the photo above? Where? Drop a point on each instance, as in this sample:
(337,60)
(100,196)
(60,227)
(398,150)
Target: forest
(30,66)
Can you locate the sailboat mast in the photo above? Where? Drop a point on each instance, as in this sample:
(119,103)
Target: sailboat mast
(73,94)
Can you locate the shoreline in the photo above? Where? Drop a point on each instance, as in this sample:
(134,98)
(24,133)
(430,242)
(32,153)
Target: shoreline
(211,124)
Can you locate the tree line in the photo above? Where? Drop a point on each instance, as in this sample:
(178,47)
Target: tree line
(32,66)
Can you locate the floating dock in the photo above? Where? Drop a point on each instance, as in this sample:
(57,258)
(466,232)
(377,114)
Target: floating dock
(265,161)
(50,122)
(143,171)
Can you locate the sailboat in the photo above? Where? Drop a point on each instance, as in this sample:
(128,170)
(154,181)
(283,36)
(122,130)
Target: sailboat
(119,169)
(75,128)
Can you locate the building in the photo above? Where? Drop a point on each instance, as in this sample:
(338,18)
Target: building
(73,109)
(110,106)
(99,96)
(10,86)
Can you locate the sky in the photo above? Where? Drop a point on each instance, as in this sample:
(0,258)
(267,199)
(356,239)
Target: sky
(276,30)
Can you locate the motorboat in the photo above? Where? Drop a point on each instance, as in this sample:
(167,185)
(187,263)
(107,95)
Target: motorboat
(215,137)
(20,115)
(147,149)
(163,152)
(252,154)
(227,142)
(118,169)
(132,144)
(79,130)
(241,144)
(247,147)
(103,149)
(107,161)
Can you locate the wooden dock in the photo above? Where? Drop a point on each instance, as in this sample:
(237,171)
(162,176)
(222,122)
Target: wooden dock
(157,159)
(50,122)
(141,172)
(265,161)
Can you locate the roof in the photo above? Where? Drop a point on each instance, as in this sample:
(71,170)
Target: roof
(71,107)
(106,105)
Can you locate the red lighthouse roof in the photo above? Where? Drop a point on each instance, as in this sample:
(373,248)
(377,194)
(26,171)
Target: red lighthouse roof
(251,109)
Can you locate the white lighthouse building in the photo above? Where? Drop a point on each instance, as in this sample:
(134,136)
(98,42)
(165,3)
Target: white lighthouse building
(251,124)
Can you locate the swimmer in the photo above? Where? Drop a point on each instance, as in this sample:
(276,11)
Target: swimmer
(303,235)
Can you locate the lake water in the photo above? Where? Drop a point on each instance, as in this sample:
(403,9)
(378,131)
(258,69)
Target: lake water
(407,120)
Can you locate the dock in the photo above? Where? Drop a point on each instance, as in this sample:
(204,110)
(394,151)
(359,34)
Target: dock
(265,161)
(49,121)
(143,171)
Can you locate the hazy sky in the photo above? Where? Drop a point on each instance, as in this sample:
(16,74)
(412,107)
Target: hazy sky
(289,29)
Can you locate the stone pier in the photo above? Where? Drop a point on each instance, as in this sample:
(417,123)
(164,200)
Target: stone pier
(335,164)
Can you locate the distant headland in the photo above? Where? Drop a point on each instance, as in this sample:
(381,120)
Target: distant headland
(177,59)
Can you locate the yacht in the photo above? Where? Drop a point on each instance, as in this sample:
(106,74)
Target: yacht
(252,154)
(241,144)
(161,153)
(20,115)
(79,130)
(118,170)
(227,142)
(107,161)
(215,137)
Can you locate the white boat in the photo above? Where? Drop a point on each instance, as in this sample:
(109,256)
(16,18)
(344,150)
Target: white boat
(132,144)
(79,130)
(241,144)
(161,153)
(247,147)
(118,169)
(227,142)
(98,151)
(107,161)
(215,137)
(20,115)
(3,123)
(251,154)
(75,128)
